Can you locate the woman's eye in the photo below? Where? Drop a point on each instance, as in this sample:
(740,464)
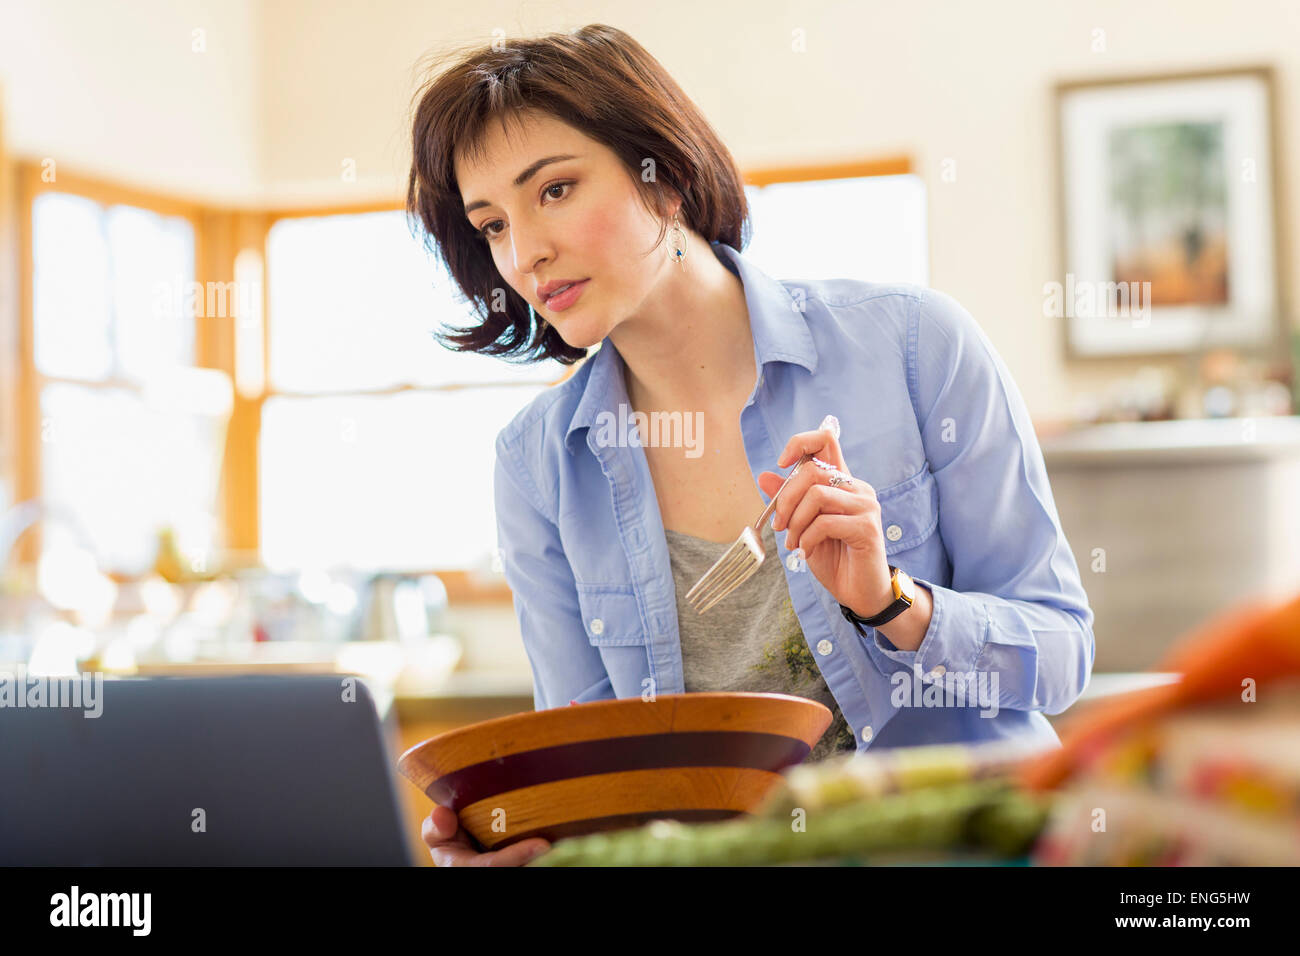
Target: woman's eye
(548,189)
(489,236)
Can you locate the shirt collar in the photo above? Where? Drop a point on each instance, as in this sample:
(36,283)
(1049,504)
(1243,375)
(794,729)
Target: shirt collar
(779,328)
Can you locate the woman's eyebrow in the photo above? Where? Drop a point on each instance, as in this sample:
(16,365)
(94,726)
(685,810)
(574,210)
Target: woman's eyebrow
(523,177)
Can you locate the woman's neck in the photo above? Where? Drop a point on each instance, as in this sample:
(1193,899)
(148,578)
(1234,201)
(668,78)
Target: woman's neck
(692,347)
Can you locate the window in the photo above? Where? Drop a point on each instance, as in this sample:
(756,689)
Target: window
(131,432)
(868,227)
(377,442)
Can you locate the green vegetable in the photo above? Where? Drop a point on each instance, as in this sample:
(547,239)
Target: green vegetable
(986,814)
(851,777)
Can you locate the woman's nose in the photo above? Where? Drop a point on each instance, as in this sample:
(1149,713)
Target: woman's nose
(529,248)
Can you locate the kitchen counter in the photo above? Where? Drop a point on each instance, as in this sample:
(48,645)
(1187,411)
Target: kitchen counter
(1177,442)
(1172,523)
(468,696)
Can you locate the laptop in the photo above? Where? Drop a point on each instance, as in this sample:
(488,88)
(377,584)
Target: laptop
(198,771)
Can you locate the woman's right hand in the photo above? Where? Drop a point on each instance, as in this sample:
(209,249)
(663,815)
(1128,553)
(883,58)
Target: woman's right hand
(450,845)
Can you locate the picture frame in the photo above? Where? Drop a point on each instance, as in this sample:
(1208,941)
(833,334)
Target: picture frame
(1167,195)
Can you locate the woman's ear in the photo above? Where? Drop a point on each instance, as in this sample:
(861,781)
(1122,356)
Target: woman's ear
(670,202)
(676,205)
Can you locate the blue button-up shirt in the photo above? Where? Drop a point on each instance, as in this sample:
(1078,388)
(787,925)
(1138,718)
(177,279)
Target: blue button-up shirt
(930,417)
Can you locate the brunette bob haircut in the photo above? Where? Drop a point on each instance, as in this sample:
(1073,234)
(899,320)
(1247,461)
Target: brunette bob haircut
(601,82)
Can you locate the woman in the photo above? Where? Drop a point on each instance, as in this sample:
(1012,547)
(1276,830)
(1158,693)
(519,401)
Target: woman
(575,162)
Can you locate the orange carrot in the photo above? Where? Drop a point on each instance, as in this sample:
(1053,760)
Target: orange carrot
(1260,641)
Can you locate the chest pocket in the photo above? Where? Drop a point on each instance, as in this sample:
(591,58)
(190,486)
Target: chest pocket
(909,511)
(610,615)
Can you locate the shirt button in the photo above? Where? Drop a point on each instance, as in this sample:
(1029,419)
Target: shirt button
(824,647)
(866,734)
(938,670)
(597,626)
(893,532)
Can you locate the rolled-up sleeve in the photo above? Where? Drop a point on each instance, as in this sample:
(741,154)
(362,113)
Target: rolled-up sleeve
(565,665)
(1016,605)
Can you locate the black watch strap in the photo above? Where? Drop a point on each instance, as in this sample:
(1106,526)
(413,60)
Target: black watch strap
(884,617)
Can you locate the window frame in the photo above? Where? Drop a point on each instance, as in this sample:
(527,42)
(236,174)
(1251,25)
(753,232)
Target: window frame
(463,587)
(29,185)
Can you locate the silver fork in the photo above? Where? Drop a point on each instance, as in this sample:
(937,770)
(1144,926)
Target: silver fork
(738,564)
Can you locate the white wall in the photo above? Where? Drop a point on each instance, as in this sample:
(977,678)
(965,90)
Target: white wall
(115,89)
(290,89)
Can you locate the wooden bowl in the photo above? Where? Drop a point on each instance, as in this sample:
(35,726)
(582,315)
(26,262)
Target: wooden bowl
(610,764)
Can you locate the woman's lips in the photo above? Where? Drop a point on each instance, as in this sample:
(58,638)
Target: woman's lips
(562,300)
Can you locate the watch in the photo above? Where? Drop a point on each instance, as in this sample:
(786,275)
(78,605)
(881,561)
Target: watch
(904,592)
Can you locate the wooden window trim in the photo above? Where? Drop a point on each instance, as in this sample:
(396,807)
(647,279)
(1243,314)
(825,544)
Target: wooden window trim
(848,169)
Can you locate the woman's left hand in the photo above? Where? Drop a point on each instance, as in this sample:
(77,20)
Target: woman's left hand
(838,528)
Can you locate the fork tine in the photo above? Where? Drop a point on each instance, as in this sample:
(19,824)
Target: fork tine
(721,592)
(707,595)
(739,561)
(726,591)
(730,558)
(734,558)
(727,559)
(719,585)
(730,571)
(731,576)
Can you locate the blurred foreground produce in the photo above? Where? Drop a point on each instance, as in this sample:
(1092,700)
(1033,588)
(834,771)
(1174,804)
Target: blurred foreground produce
(1254,644)
(1218,785)
(1205,772)
(849,777)
(928,799)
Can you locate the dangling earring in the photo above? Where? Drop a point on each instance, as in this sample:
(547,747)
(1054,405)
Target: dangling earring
(677,243)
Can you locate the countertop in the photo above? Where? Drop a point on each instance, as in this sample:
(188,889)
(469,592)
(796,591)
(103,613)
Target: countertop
(1182,440)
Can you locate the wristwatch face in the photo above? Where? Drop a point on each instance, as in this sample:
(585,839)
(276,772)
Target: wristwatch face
(904,586)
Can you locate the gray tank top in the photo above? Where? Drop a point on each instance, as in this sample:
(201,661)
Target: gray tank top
(751,639)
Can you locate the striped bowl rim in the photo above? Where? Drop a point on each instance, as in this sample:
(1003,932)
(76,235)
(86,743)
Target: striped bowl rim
(609,764)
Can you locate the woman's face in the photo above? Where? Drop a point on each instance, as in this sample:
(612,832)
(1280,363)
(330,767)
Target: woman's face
(573,218)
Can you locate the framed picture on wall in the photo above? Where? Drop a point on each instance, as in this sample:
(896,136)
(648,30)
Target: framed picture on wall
(1169,239)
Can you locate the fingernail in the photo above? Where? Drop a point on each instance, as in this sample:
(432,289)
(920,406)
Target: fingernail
(833,423)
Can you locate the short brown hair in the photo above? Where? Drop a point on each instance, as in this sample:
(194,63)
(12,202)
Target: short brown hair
(603,83)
